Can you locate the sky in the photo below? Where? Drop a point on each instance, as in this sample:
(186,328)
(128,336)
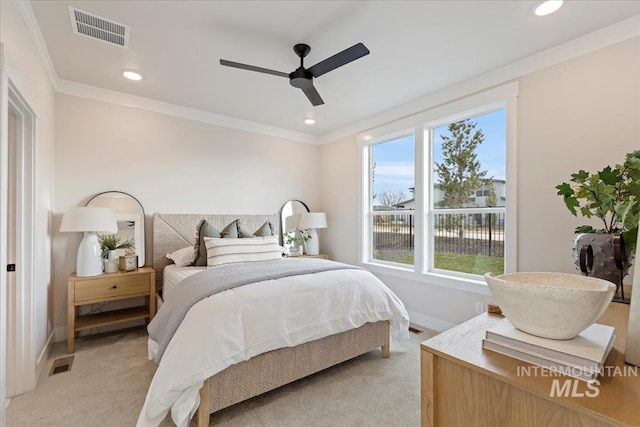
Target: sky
(395,171)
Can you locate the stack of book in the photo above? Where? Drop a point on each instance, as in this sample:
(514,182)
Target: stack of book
(581,357)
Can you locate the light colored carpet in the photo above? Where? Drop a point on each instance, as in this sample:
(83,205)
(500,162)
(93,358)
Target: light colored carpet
(108,381)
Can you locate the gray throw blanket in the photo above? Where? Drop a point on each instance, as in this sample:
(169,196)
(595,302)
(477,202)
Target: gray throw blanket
(201,285)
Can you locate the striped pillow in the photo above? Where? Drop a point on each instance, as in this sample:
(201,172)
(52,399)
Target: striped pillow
(226,251)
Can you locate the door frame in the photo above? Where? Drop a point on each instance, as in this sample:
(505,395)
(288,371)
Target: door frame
(22,323)
(23,358)
(4,164)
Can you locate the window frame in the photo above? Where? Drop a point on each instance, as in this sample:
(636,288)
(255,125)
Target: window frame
(422,125)
(369,200)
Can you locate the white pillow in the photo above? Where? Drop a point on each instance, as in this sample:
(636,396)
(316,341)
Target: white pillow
(182,257)
(225,250)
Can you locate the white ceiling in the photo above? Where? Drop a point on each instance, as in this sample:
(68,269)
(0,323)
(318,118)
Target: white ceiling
(417,48)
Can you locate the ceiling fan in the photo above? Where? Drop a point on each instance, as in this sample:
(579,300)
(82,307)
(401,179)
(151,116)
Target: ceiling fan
(302,78)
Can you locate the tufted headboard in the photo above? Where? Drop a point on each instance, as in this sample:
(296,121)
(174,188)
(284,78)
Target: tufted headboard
(176,231)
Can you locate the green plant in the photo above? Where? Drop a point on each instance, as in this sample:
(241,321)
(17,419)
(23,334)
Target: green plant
(611,194)
(298,236)
(111,242)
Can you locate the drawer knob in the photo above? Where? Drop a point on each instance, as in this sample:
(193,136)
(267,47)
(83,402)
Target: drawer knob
(114,287)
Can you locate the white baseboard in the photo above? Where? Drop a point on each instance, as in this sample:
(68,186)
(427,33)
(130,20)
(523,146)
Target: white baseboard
(41,363)
(429,322)
(60,334)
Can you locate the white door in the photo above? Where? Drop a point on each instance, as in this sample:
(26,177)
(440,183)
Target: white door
(20,358)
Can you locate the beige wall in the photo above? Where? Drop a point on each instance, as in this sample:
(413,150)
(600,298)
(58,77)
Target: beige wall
(171,165)
(27,74)
(340,198)
(580,114)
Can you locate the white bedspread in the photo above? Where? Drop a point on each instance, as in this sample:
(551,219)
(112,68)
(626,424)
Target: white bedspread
(235,325)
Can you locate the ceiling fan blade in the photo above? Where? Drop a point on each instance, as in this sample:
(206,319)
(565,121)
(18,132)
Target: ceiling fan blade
(339,59)
(313,95)
(253,68)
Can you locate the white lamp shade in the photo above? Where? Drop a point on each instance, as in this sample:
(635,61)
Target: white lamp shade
(313,220)
(87,218)
(292,222)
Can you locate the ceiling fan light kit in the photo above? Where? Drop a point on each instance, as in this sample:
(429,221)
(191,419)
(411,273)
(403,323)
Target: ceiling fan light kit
(302,78)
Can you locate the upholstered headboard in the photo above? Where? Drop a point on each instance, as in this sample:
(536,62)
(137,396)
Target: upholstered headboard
(176,231)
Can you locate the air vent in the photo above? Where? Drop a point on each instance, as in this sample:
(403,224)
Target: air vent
(96,27)
(62,364)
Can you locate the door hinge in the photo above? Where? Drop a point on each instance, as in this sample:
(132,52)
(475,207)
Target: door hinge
(11,267)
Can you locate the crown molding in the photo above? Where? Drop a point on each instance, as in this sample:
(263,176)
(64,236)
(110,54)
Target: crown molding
(120,98)
(24,7)
(127,100)
(599,39)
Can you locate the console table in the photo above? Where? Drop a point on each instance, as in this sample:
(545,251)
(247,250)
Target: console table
(463,385)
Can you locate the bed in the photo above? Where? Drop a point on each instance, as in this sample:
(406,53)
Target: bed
(212,382)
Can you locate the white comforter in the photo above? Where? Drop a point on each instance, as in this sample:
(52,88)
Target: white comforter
(243,322)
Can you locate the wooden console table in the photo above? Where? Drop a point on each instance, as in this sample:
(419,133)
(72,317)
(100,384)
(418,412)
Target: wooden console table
(464,385)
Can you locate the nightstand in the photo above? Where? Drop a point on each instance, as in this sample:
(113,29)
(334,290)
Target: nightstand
(109,287)
(323,256)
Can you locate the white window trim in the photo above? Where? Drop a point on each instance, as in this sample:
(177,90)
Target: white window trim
(501,97)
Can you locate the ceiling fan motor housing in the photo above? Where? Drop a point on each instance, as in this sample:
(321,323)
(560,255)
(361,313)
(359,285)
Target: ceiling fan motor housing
(301,78)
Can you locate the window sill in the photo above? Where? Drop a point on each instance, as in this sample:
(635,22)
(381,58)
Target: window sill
(478,286)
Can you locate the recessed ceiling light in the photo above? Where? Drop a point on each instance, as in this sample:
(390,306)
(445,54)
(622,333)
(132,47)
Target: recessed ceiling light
(131,75)
(367,137)
(309,121)
(548,7)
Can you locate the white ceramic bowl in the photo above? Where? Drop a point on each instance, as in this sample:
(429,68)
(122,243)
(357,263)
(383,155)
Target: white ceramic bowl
(551,305)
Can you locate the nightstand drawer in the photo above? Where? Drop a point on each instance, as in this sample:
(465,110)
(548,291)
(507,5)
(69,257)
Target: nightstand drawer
(105,288)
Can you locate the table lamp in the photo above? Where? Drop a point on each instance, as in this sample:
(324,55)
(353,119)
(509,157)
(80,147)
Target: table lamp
(312,221)
(90,221)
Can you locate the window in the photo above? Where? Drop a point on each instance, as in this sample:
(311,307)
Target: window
(435,195)
(392,201)
(466,233)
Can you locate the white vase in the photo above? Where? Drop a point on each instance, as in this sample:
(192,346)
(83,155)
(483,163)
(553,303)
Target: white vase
(296,251)
(111,263)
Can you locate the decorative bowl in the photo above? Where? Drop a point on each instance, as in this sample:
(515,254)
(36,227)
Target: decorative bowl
(551,305)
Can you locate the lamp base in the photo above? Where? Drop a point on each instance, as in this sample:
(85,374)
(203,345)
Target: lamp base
(89,261)
(312,245)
